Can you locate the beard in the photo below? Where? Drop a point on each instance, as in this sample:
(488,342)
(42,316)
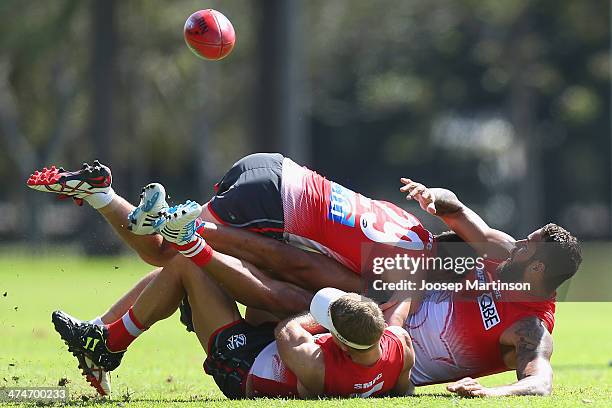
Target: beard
(511,271)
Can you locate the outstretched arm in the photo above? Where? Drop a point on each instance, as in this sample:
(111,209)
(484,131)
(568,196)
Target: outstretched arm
(533,345)
(299,352)
(460,218)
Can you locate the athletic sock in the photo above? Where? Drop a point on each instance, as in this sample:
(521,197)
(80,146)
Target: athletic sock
(99,200)
(197,250)
(124,331)
(97,321)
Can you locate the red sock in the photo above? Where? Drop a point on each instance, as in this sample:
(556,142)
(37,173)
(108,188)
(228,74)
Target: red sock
(198,251)
(124,331)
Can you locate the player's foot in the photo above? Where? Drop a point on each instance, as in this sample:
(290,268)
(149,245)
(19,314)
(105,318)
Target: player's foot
(72,184)
(152,205)
(95,375)
(86,339)
(178,223)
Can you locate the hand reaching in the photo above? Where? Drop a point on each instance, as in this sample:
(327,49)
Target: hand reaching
(419,192)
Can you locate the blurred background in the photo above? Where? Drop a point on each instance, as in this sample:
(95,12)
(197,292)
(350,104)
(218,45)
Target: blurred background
(505,102)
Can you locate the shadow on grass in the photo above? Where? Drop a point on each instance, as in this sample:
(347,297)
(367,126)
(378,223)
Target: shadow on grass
(87,401)
(447,395)
(84,400)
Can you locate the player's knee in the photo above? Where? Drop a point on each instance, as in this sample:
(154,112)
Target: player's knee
(176,266)
(161,256)
(154,259)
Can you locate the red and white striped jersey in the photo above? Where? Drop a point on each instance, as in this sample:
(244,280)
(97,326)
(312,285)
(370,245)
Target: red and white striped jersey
(269,376)
(323,215)
(456,334)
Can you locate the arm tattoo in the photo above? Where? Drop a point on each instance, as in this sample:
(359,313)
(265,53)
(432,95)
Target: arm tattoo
(531,343)
(529,334)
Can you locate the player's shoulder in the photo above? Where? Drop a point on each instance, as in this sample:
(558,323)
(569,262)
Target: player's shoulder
(406,341)
(401,334)
(398,331)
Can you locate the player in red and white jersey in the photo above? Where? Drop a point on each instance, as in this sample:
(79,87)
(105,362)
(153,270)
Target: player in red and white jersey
(271,194)
(461,335)
(250,196)
(360,357)
(324,215)
(265,193)
(378,359)
(457,334)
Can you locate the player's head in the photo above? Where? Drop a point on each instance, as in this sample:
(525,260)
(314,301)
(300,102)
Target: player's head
(357,319)
(546,258)
(355,322)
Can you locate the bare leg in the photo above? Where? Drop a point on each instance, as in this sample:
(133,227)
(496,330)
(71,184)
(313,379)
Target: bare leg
(232,279)
(251,287)
(281,261)
(162,295)
(126,301)
(258,316)
(211,306)
(151,248)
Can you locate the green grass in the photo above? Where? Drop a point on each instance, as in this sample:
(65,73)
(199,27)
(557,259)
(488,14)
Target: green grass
(164,366)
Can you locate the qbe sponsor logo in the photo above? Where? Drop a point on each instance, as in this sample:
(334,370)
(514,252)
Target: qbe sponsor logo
(488,311)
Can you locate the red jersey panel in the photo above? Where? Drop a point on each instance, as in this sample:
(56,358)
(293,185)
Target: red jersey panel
(345,378)
(271,378)
(456,335)
(334,220)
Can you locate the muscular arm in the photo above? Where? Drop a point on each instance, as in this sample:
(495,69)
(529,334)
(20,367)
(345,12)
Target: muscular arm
(309,270)
(533,346)
(403,385)
(461,219)
(299,352)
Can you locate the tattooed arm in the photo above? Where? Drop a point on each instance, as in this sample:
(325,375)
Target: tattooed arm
(533,346)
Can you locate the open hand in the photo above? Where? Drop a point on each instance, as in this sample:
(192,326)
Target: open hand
(417,191)
(469,387)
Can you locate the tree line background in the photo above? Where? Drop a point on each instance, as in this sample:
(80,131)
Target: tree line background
(506,103)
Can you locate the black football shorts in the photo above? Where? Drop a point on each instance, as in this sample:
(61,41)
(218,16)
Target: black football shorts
(232,350)
(249,195)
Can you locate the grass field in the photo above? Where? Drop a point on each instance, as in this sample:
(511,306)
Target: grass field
(164,366)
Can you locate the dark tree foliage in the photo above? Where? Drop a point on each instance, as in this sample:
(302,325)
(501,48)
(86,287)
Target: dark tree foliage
(507,103)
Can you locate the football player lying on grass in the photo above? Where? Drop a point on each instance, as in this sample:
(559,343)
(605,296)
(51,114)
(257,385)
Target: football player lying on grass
(482,350)
(250,196)
(358,357)
(265,193)
(461,336)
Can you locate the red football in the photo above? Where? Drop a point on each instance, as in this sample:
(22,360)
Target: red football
(209,34)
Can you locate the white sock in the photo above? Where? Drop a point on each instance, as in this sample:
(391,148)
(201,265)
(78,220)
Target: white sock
(130,326)
(98,321)
(99,200)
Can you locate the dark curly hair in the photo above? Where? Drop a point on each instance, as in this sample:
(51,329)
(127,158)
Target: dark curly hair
(560,252)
